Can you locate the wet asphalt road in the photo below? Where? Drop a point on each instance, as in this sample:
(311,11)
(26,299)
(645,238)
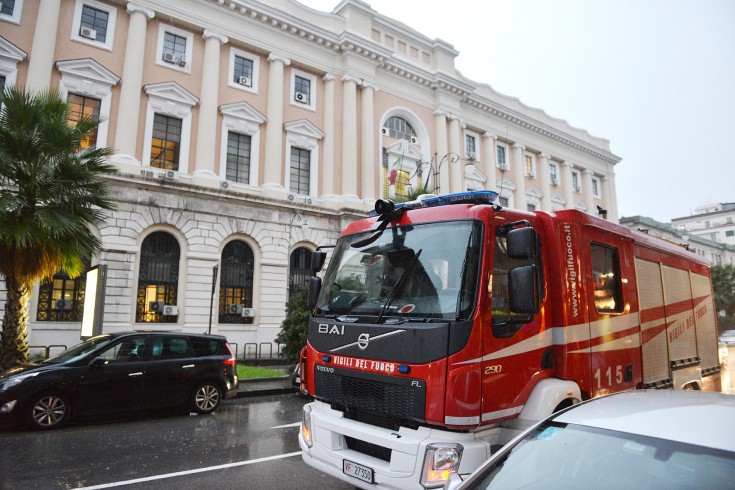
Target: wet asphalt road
(247,443)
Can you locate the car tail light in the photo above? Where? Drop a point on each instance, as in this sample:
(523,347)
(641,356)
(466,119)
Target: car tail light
(231,361)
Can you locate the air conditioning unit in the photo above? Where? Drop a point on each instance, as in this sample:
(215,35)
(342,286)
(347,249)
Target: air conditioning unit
(300,97)
(234,309)
(63,304)
(577,188)
(471,155)
(181,60)
(414,140)
(156,306)
(224,185)
(291,197)
(308,200)
(88,33)
(170,310)
(169,57)
(245,81)
(171,174)
(248,312)
(384,131)
(148,173)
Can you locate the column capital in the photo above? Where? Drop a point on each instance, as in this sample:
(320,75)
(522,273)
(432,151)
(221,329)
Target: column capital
(518,146)
(566,164)
(350,78)
(132,8)
(210,34)
(370,85)
(544,155)
(328,77)
(587,172)
(488,134)
(276,57)
(440,112)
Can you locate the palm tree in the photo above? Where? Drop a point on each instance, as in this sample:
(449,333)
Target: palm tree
(51,192)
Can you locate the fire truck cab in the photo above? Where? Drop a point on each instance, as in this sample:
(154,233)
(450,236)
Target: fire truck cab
(444,326)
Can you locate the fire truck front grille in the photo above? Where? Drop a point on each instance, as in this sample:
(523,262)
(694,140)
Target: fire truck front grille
(389,396)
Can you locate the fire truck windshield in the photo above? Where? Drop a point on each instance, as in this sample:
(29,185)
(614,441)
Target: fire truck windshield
(417,271)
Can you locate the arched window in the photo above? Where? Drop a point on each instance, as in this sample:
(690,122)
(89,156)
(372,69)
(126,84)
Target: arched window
(399,128)
(62,298)
(236,283)
(158,279)
(299,269)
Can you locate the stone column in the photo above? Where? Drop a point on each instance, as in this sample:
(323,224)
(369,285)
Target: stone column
(610,197)
(328,141)
(567,185)
(589,199)
(489,155)
(544,180)
(440,149)
(128,113)
(368,164)
(349,137)
(41,60)
(273,175)
(456,166)
(209,99)
(519,172)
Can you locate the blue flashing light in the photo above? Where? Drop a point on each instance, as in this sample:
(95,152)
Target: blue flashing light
(403,369)
(432,200)
(327,358)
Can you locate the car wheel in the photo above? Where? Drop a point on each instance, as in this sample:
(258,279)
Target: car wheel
(206,398)
(49,411)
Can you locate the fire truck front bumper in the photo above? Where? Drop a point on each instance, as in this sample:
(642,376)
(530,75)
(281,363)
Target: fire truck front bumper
(370,457)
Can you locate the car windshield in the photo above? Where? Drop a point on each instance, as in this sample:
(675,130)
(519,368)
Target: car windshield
(79,350)
(573,456)
(427,270)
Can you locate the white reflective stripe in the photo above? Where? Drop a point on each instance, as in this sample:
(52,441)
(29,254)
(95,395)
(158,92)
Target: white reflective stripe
(499,414)
(462,420)
(538,341)
(614,324)
(629,342)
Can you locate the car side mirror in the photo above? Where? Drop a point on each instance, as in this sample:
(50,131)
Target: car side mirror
(99,361)
(317,261)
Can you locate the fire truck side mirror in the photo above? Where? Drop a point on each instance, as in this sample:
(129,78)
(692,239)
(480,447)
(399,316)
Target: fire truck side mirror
(315,286)
(523,290)
(317,261)
(523,243)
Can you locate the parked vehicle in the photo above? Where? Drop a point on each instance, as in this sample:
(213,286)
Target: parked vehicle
(637,439)
(120,372)
(445,326)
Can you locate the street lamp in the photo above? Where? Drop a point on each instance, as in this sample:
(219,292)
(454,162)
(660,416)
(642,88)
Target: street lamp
(435,165)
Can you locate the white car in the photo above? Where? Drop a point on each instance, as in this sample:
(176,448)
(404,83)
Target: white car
(634,439)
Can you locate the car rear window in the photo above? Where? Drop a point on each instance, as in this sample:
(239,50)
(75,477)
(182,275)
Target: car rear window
(206,347)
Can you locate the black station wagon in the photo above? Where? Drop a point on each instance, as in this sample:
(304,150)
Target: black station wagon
(120,372)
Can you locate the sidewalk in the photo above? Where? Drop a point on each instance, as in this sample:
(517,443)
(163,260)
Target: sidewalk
(265,386)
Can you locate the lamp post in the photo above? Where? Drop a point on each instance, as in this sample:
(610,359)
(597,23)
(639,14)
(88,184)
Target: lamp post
(435,165)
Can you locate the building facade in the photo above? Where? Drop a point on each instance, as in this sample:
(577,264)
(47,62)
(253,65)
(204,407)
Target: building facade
(248,133)
(715,222)
(716,253)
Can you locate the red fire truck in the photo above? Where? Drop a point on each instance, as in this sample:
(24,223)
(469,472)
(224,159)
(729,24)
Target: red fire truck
(444,326)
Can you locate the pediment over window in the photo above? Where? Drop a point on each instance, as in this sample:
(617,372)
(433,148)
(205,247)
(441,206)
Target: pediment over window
(171,91)
(87,69)
(406,149)
(535,192)
(558,199)
(11,52)
(243,111)
(506,183)
(304,128)
(476,175)
(581,206)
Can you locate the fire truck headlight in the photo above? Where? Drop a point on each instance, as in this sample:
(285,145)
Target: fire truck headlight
(306,425)
(441,460)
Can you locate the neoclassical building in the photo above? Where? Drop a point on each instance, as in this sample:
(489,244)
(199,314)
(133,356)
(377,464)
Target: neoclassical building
(249,133)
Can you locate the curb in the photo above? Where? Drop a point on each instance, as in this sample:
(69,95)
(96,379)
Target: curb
(265,386)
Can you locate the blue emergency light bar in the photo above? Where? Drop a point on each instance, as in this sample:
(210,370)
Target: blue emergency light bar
(432,200)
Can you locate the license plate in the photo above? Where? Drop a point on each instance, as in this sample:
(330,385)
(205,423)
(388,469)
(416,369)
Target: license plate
(357,470)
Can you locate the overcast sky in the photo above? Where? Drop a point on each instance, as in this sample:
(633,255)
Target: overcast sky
(655,77)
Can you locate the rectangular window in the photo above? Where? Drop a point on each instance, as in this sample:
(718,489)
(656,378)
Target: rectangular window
(81,106)
(595,187)
(238,157)
(243,71)
(575,182)
(470,146)
(730,233)
(7,7)
(530,207)
(528,162)
(166,142)
(94,24)
(174,49)
(554,174)
(502,164)
(504,201)
(300,171)
(302,90)
(606,274)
